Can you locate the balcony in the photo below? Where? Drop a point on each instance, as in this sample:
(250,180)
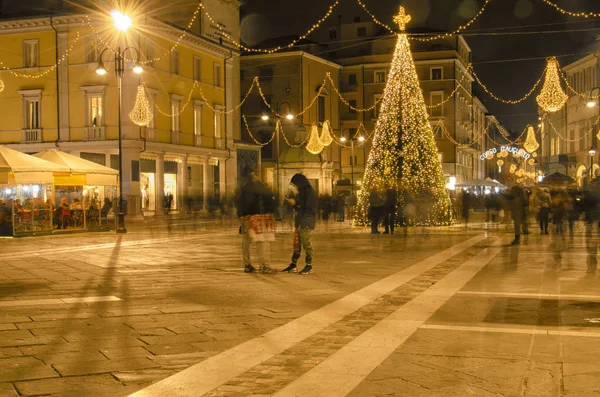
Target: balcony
(198,140)
(31,135)
(151,134)
(93,133)
(176,137)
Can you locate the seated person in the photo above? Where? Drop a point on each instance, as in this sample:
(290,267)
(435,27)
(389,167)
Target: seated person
(63,213)
(106,207)
(76,206)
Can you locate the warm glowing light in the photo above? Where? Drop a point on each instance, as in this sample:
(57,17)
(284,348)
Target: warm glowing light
(314,144)
(137,69)
(289,116)
(404,156)
(591,104)
(141,114)
(264,117)
(101,70)
(326,138)
(361,138)
(552,98)
(592,152)
(343,139)
(121,21)
(531,145)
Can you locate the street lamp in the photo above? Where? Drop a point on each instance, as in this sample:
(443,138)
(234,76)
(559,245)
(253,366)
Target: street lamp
(352,140)
(122,23)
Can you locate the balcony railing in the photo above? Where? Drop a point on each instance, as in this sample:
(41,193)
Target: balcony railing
(31,135)
(176,137)
(94,133)
(198,140)
(151,134)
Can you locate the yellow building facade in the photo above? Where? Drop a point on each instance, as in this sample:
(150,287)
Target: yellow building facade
(53,98)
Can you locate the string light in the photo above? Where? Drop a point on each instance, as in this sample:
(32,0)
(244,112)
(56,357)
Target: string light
(50,68)
(1,85)
(312,102)
(274,49)
(584,95)
(573,14)
(440,36)
(326,138)
(141,114)
(500,163)
(314,144)
(531,145)
(404,153)
(507,101)
(276,131)
(347,103)
(552,98)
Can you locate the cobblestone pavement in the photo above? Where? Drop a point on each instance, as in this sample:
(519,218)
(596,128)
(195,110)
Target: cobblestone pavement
(166,310)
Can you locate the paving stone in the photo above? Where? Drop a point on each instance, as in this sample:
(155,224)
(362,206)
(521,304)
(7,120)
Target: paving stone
(125,352)
(98,367)
(24,368)
(93,385)
(143,376)
(10,352)
(8,390)
(176,339)
(71,357)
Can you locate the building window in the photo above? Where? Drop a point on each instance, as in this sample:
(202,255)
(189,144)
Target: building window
(198,120)
(175,62)
(175,106)
(321,109)
(197,68)
(553,146)
(435,98)
(352,105)
(217,75)
(361,32)
(440,157)
(95,110)
(356,19)
(353,160)
(380,76)
(352,79)
(332,34)
(376,98)
(436,74)
(149,53)
(265,73)
(91,49)
(32,108)
(218,125)
(264,108)
(352,133)
(30,54)
(557,149)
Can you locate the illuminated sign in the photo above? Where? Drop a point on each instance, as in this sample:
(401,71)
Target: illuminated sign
(517,152)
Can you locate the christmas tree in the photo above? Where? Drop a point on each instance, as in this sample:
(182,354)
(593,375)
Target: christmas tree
(404,155)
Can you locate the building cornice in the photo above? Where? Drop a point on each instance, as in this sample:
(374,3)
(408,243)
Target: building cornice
(290,54)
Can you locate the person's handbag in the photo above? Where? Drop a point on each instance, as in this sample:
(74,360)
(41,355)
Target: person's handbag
(262,228)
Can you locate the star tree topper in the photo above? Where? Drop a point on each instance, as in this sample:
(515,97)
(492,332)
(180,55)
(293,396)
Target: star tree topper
(402,19)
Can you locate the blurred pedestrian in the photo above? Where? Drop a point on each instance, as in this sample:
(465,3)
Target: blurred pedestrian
(545,203)
(466,205)
(389,208)
(305,205)
(376,203)
(255,210)
(590,207)
(516,198)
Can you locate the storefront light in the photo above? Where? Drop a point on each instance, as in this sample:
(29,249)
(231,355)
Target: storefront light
(8,191)
(25,188)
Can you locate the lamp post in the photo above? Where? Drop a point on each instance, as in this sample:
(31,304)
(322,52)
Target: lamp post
(122,23)
(592,102)
(352,141)
(275,115)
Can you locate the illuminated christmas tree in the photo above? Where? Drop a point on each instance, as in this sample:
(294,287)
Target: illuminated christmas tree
(404,155)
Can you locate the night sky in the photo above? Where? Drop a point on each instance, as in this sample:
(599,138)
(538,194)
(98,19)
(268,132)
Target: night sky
(509,79)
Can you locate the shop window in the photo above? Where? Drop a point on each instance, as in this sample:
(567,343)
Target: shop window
(31,54)
(114,161)
(98,158)
(361,32)
(135,171)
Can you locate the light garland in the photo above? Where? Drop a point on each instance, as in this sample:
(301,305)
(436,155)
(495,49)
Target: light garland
(326,138)
(570,87)
(500,163)
(570,13)
(276,131)
(45,72)
(346,102)
(141,114)
(531,145)
(440,36)
(274,49)
(312,102)
(1,85)
(314,144)
(404,153)
(552,98)
(497,98)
